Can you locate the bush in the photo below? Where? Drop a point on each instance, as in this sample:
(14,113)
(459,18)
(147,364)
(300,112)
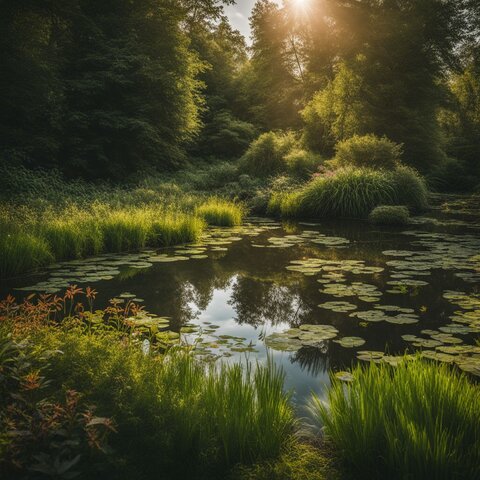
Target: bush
(302,163)
(416,420)
(226,136)
(389,215)
(266,155)
(411,188)
(368,151)
(354,193)
(221,212)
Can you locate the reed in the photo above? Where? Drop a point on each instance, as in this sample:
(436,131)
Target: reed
(417,420)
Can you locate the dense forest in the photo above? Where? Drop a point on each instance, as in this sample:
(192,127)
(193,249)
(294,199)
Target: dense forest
(103,89)
(245,254)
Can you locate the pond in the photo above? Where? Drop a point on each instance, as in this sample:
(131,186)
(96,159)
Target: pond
(312,296)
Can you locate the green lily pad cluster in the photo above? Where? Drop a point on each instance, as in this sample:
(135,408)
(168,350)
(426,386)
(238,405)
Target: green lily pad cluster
(439,251)
(381,357)
(304,336)
(388,313)
(307,236)
(207,345)
(341,307)
(470,307)
(363,291)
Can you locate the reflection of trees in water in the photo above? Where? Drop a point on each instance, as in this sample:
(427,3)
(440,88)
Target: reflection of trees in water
(257,302)
(314,360)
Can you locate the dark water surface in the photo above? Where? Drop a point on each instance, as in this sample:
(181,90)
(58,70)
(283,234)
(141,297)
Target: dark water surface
(243,289)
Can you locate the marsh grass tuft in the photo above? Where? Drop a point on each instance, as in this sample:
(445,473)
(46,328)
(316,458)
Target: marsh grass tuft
(219,212)
(416,420)
(353,193)
(389,215)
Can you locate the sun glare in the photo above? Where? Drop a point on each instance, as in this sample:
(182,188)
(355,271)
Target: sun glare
(301,4)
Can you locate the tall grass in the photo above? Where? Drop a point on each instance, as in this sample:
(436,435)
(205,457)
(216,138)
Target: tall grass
(22,252)
(174,413)
(416,421)
(76,233)
(223,213)
(354,192)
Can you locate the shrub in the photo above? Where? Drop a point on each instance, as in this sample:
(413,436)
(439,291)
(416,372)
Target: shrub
(389,215)
(266,155)
(410,187)
(302,163)
(52,435)
(221,212)
(416,420)
(354,192)
(368,151)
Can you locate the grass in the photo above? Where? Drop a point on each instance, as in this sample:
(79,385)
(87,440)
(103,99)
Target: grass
(353,193)
(417,420)
(77,233)
(389,215)
(223,213)
(174,414)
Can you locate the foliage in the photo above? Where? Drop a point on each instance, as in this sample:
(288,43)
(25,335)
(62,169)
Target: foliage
(354,192)
(335,113)
(368,151)
(410,187)
(225,136)
(266,155)
(117,85)
(40,434)
(461,118)
(302,163)
(221,212)
(451,175)
(389,215)
(429,410)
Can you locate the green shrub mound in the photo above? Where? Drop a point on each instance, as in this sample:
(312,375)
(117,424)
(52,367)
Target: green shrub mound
(418,420)
(389,215)
(266,155)
(354,193)
(302,163)
(368,151)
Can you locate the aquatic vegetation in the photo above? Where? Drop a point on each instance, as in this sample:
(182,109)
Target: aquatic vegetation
(296,338)
(21,252)
(216,211)
(76,234)
(354,192)
(415,420)
(389,215)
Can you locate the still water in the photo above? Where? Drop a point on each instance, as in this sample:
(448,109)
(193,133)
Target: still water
(263,289)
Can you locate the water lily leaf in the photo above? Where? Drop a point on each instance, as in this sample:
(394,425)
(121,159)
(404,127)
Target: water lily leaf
(350,342)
